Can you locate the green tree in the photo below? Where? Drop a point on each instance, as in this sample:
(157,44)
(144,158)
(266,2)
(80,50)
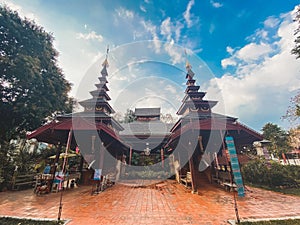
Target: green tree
(278,138)
(129,116)
(33,87)
(296,49)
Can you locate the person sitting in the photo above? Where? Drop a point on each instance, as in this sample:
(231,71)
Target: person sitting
(47,169)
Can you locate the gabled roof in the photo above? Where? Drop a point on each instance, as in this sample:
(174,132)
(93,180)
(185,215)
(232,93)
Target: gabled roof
(57,131)
(147,112)
(137,128)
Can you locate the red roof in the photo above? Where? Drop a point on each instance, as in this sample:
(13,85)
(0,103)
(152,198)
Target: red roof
(55,131)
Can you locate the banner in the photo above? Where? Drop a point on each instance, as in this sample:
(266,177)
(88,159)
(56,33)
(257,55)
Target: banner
(235,166)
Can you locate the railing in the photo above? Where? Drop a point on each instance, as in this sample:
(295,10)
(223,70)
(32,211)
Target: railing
(24,180)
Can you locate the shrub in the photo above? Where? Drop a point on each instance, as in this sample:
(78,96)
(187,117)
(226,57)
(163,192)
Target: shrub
(272,174)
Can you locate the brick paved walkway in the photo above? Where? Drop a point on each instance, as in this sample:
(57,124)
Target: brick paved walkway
(171,203)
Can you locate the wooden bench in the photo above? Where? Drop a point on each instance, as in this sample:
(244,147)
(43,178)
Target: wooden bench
(229,186)
(186,179)
(23,180)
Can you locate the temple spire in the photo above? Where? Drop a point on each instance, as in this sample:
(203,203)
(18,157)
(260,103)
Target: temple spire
(190,74)
(105,63)
(99,102)
(193,100)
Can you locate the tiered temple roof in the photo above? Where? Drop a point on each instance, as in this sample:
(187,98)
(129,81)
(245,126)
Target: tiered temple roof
(193,99)
(96,115)
(196,114)
(99,102)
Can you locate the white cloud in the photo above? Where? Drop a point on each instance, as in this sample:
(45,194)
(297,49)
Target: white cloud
(171,30)
(174,52)
(165,28)
(261,91)
(178,28)
(271,22)
(149,27)
(261,33)
(90,36)
(187,13)
(228,62)
(216,4)
(124,13)
(171,89)
(247,55)
(229,50)
(142,8)
(253,51)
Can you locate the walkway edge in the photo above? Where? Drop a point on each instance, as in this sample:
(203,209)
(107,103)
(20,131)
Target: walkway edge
(233,222)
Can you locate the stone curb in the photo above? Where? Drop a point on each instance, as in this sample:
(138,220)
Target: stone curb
(233,222)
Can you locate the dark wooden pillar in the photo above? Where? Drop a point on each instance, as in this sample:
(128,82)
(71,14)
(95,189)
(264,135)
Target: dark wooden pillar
(192,169)
(101,156)
(130,155)
(162,157)
(54,168)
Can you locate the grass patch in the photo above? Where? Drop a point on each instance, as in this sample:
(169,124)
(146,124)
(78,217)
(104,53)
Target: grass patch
(288,191)
(16,221)
(274,222)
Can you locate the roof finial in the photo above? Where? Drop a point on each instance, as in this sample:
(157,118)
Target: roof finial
(190,74)
(187,64)
(107,50)
(105,63)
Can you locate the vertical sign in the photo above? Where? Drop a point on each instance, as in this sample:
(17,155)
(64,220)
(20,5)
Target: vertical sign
(97,174)
(235,166)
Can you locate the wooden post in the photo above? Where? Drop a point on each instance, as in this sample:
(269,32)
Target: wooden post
(101,156)
(63,171)
(130,155)
(191,165)
(179,172)
(58,150)
(200,144)
(162,157)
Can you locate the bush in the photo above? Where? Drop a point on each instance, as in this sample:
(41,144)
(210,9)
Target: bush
(146,173)
(258,172)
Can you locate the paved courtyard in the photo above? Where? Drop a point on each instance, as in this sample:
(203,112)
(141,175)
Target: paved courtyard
(166,203)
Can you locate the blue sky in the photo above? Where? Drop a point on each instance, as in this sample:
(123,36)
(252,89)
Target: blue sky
(239,50)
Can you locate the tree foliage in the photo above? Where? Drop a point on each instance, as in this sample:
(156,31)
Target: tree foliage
(129,116)
(294,137)
(278,137)
(296,49)
(32,86)
(167,118)
(293,111)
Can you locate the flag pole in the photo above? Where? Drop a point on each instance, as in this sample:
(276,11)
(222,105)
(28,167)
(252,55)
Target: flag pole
(63,172)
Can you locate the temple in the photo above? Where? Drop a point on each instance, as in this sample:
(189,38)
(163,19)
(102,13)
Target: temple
(194,148)
(94,132)
(197,139)
(147,136)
